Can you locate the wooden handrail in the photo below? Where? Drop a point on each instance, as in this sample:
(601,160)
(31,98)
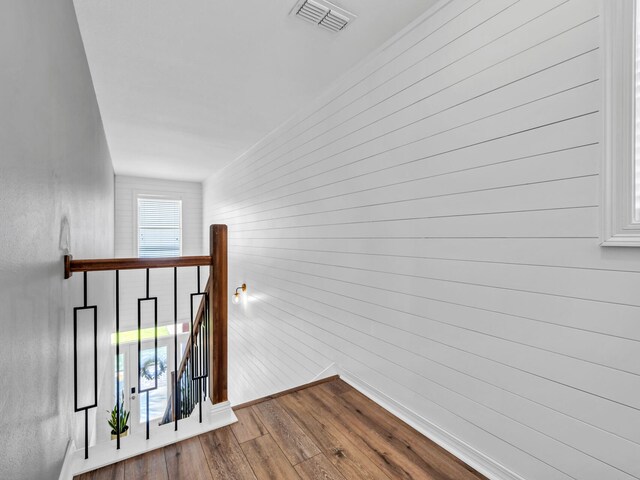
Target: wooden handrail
(103,264)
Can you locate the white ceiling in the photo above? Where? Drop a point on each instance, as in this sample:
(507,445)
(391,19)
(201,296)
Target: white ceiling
(185,86)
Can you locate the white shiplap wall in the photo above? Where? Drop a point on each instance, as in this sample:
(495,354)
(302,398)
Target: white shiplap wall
(431,226)
(161,280)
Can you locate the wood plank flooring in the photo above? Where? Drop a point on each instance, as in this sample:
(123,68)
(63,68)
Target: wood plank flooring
(325,432)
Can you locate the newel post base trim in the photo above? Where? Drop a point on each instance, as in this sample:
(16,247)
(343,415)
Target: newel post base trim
(104,453)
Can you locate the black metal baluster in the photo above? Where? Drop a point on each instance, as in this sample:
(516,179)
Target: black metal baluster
(199,385)
(86,434)
(155,347)
(180,397)
(178,401)
(95,366)
(118,358)
(95,363)
(207,336)
(192,344)
(155,338)
(196,375)
(207,341)
(191,348)
(203,343)
(175,345)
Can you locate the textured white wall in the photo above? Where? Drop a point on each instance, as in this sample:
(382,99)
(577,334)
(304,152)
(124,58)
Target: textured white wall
(431,225)
(56,195)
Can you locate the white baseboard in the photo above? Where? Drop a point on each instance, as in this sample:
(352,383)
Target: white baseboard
(330,371)
(102,454)
(65,472)
(465,452)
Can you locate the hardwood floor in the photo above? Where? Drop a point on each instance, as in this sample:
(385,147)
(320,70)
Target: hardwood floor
(325,432)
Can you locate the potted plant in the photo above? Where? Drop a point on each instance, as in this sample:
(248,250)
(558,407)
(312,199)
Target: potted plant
(119,424)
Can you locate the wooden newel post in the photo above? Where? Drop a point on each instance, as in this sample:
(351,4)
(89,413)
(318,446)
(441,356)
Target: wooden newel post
(218,293)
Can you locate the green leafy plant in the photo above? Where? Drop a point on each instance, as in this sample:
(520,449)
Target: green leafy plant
(118,424)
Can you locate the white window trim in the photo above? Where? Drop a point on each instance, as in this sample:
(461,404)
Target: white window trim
(618,186)
(142,194)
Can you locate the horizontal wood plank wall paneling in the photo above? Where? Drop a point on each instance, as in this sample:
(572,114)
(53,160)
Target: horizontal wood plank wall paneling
(133,282)
(430,226)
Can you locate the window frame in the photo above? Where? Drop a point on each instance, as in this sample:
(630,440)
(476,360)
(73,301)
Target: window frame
(136,226)
(619,227)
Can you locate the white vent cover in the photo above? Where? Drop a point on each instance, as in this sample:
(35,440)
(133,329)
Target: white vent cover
(323,14)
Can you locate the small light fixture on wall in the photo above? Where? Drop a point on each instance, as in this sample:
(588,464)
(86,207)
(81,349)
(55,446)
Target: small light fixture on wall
(236,296)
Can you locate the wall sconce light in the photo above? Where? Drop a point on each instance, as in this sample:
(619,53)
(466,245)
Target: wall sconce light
(236,296)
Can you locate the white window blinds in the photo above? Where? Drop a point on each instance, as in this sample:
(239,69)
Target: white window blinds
(159,227)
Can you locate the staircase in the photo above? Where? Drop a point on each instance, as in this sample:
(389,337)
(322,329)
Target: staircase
(198,375)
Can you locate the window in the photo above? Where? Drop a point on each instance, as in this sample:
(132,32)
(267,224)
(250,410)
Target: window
(159,227)
(621,171)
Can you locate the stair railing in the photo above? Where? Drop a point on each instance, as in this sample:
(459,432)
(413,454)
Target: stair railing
(192,375)
(203,366)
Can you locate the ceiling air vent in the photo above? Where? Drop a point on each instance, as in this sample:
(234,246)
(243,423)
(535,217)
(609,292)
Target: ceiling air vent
(323,14)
